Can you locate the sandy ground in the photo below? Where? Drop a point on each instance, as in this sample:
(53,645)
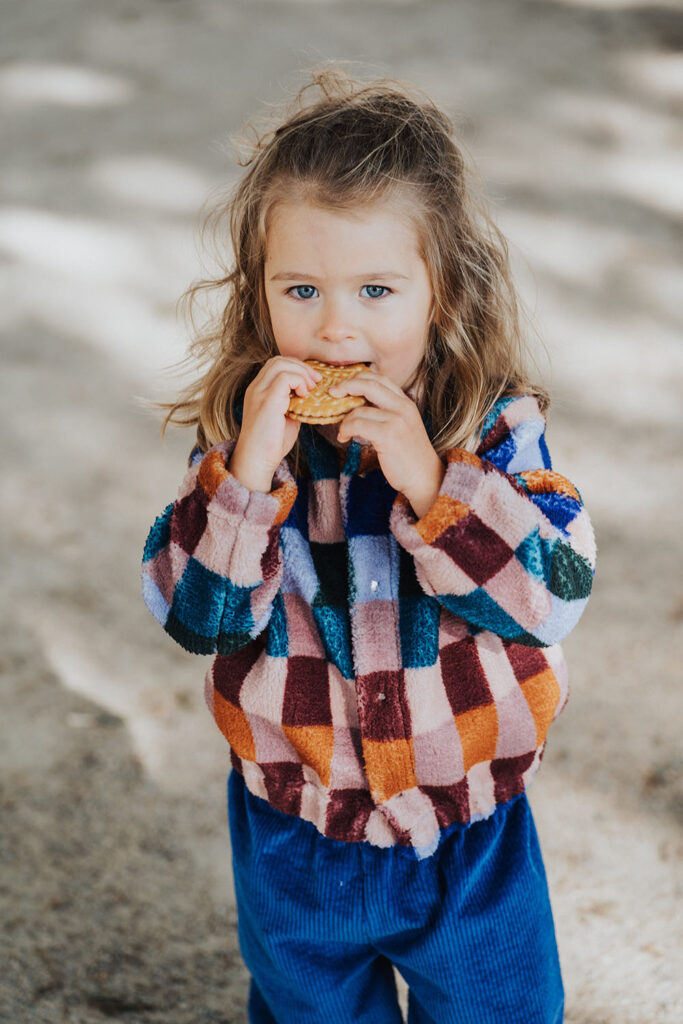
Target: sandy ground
(116,891)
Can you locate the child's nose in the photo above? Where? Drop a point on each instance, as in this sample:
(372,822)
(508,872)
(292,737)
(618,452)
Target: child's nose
(336,324)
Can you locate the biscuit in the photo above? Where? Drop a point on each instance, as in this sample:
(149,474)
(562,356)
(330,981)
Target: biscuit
(318,406)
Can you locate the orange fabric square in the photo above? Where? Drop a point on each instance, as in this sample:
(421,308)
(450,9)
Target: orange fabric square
(390,766)
(212,472)
(478,731)
(444,513)
(314,745)
(541,481)
(462,455)
(286,496)
(234,725)
(542,694)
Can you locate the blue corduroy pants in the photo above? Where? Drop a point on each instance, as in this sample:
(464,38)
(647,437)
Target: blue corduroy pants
(321,922)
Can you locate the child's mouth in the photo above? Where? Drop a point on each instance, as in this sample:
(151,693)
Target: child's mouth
(346,362)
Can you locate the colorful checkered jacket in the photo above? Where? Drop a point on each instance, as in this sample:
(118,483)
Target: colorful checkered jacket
(379,675)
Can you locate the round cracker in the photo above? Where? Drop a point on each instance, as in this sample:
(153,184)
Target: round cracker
(320,407)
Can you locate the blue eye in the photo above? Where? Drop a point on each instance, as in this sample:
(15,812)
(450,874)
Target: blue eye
(376,288)
(303,287)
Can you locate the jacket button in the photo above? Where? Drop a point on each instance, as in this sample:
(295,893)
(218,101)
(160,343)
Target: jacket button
(374,584)
(381,696)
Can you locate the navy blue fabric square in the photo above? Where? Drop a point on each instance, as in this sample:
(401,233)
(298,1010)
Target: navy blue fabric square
(298,514)
(331,567)
(369,504)
(408,585)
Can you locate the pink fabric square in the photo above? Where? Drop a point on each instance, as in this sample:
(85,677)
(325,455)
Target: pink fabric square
(427,699)
(519,594)
(583,538)
(270,743)
(462,480)
(375,643)
(525,408)
(230,500)
(438,756)
(378,831)
(413,812)
(481,790)
(215,546)
(254,779)
(245,562)
(504,510)
(314,799)
(343,704)
(516,726)
(437,573)
(303,636)
(263,688)
(324,512)
(346,770)
(451,628)
(496,665)
(166,568)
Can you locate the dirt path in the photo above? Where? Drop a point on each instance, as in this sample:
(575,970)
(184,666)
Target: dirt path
(116,888)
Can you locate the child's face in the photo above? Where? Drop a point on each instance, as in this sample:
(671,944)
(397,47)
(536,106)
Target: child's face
(329,301)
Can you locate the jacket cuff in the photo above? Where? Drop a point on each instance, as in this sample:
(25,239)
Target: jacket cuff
(240,536)
(228,498)
(436,571)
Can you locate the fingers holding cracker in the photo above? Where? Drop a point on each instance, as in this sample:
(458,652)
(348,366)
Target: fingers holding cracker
(318,406)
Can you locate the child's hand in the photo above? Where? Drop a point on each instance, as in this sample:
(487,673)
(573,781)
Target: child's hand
(394,427)
(267,434)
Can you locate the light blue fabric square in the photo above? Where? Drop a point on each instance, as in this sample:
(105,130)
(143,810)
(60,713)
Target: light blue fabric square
(299,575)
(375,567)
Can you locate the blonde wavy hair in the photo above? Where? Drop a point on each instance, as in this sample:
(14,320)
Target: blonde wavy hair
(357,143)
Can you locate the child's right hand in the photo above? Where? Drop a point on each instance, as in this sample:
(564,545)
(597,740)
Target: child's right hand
(267,433)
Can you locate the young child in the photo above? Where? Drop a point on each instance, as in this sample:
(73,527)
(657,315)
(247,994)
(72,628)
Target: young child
(384,595)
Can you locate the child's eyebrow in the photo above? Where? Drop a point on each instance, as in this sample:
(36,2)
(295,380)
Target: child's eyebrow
(293,275)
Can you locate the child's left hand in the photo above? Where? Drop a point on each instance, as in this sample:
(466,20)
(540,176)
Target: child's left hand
(394,427)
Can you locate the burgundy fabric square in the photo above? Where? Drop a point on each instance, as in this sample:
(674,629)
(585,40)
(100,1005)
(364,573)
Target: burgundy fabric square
(347,814)
(270,557)
(495,435)
(307,692)
(284,782)
(189,521)
(383,709)
(451,803)
(464,677)
(507,775)
(475,548)
(526,661)
(230,670)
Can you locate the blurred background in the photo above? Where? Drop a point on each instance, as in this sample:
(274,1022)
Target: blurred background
(116,890)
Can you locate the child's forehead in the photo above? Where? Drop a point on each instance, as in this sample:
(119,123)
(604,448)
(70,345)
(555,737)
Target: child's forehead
(302,224)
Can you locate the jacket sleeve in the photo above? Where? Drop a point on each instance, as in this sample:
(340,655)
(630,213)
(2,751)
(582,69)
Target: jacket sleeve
(507,544)
(212,564)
